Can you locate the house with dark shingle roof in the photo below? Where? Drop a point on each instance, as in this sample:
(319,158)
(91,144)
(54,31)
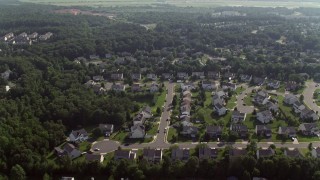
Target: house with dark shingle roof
(263,130)
(287,131)
(94,157)
(124,154)
(214,131)
(237,116)
(208,153)
(236,153)
(152,155)
(293,153)
(71,151)
(261,153)
(309,129)
(181,154)
(240,129)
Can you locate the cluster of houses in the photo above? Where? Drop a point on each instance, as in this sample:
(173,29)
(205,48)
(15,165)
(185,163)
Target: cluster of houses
(183,154)
(138,129)
(262,100)
(188,129)
(98,84)
(24,38)
(300,109)
(71,150)
(218,101)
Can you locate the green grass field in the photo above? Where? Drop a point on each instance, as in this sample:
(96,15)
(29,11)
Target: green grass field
(180,3)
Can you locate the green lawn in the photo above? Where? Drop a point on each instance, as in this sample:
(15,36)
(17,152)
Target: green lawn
(232,102)
(122,137)
(317,100)
(300,90)
(282,88)
(161,97)
(302,138)
(248,100)
(154,129)
(286,109)
(172,132)
(84,146)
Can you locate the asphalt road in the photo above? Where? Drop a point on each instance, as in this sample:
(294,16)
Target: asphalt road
(240,102)
(308,96)
(160,139)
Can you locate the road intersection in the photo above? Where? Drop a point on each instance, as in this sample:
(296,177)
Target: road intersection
(160,141)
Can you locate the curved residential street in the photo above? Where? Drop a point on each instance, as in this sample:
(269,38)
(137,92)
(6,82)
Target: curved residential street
(308,96)
(160,141)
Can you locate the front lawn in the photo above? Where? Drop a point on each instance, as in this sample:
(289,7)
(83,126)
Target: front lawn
(248,100)
(154,129)
(160,99)
(123,138)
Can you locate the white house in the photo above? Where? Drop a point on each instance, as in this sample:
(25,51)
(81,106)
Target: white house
(106,129)
(78,135)
(182,75)
(187,86)
(137,131)
(152,77)
(274,84)
(265,116)
(261,97)
(118,87)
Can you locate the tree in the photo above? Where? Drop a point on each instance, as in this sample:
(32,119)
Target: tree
(17,173)
(310,146)
(301,98)
(158,110)
(191,166)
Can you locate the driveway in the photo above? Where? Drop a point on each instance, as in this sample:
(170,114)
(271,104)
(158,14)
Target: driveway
(308,96)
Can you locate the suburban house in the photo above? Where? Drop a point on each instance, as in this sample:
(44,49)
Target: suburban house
(68,149)
(237,116)
(262,153)
(136,87)
(309,129)
(97,78)
(152,77)
(136,76)
(144,114)
(240,129)
(208,153)
(78,135)
(208,85)
(272,106)
(293,153)
(213,75)
(220,109)
(236,153)
(316,152)
(292,86)
(228,75)
(229,86)
(214,131)
(154,87)
(118,87)
(261,97)
(287,131)
(290,99)
(258,81)
(264,116)
(182,75)
(181,154)
(124,154)
(95,157)
(185,109)
(263,130)
(190,131)
(298,107)
(7,37)
(166,76)
(245,78)
(137,131)
(219,98)
(45,36)
(273,84)
(152,155)
(117,76)
(120,60)
(198,75)
(5,75)
(106,129)
(187,86)
(307,114)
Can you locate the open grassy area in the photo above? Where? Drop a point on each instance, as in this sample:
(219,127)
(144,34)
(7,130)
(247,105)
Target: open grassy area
(161,97)
(232,102)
